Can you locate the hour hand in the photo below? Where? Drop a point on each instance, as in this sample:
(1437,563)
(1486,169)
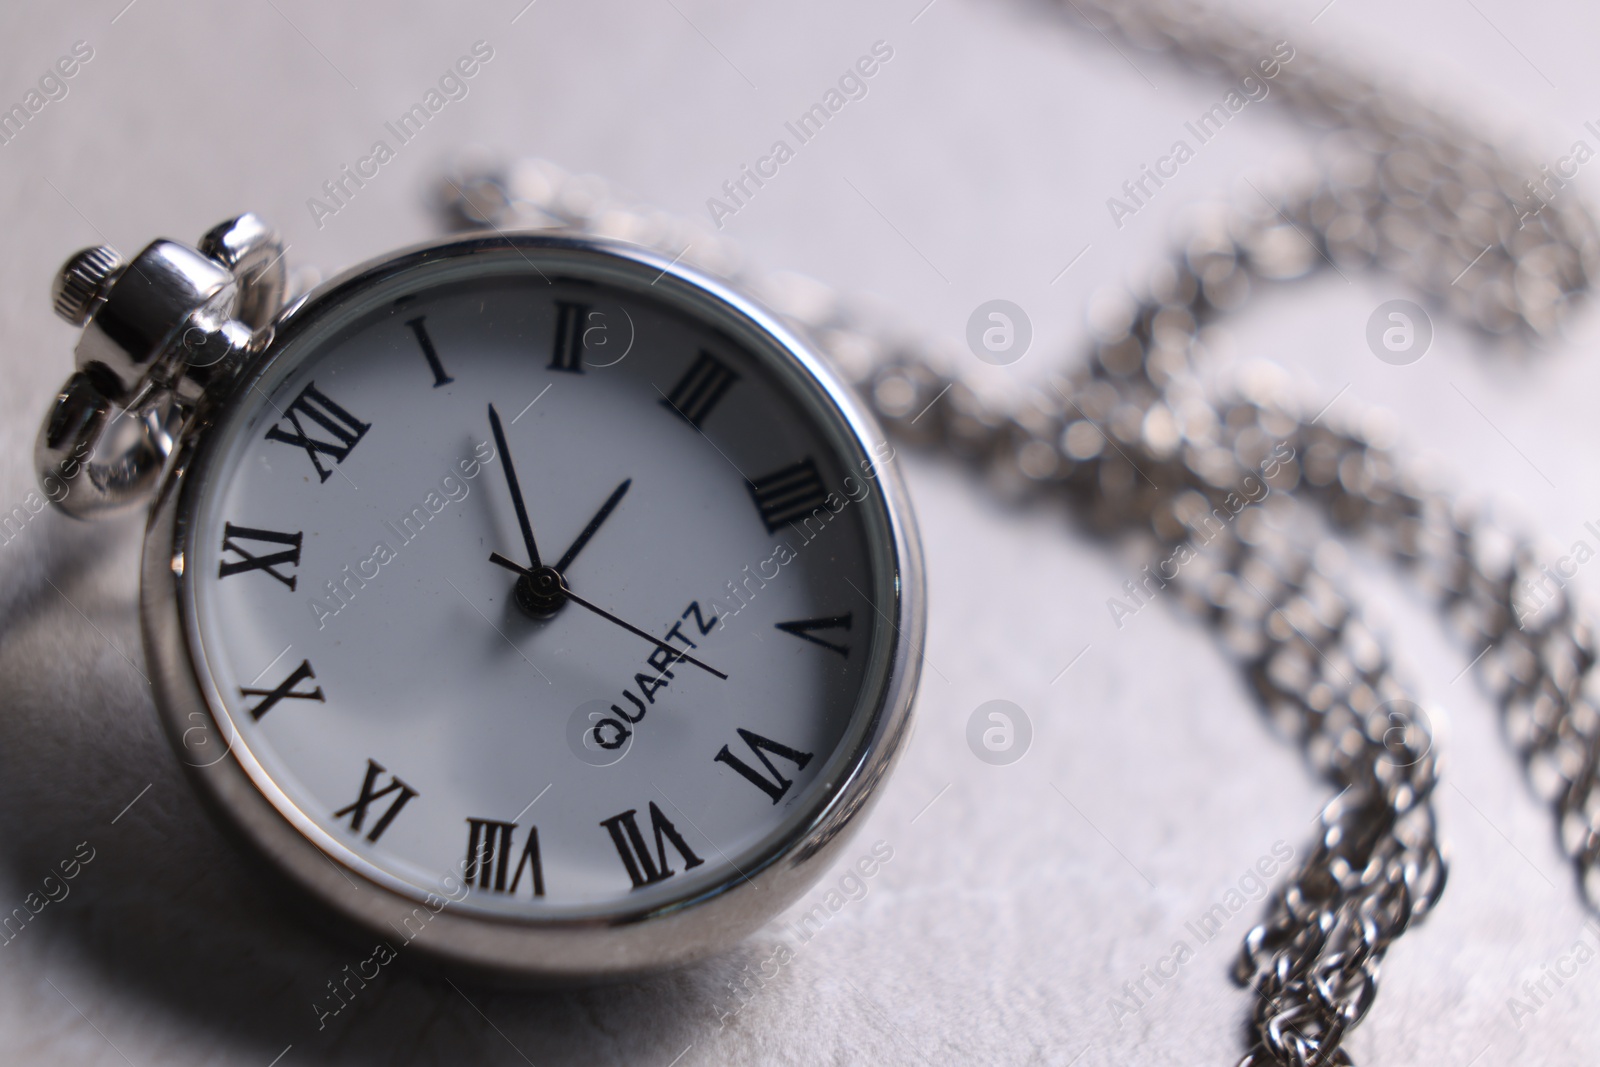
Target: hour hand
(594,524)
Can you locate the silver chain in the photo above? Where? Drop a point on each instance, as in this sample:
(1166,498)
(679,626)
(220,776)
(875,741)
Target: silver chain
(1139,447)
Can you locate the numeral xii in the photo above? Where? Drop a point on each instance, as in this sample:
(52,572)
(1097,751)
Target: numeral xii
(344,430)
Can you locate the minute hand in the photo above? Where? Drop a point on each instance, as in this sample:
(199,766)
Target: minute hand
(604,614)
(515,489)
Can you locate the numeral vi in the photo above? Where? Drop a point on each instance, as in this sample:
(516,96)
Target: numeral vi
(772,783)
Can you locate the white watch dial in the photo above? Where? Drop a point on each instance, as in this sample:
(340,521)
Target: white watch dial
(390,690)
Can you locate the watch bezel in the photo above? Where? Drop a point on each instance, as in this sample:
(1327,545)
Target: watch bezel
(628,941)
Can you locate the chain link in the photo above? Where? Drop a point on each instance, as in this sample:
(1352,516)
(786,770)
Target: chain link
(1140,447)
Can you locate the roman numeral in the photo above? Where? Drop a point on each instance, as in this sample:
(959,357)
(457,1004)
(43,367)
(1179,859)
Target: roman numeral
(271,697)
(776,786)
(489,852)
(419,326)
(567,351)
(344,427)
(802,629)
(789,494)
(643,869)
(698,391)
(357,811)
(289,557)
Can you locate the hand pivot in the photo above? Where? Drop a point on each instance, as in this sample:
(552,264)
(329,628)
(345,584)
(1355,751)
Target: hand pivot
(540,592)
(567,594)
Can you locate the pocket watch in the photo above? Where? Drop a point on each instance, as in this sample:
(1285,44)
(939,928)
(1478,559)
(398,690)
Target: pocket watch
(530,597)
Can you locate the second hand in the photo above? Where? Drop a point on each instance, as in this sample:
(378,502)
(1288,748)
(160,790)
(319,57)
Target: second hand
(495,557)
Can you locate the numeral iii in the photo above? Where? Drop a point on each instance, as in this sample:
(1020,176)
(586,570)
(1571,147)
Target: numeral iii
(698,391)
(789,494)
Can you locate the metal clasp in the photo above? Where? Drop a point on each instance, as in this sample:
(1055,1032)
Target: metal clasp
(157,333)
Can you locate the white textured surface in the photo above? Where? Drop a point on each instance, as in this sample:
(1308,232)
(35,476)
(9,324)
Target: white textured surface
(1007,918)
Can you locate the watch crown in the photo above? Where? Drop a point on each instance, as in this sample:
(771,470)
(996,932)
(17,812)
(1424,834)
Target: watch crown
(83,281)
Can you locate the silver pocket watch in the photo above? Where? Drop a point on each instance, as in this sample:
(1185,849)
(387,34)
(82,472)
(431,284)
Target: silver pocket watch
(530,597)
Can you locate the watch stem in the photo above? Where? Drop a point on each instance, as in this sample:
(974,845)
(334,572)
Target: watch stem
(83,281)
